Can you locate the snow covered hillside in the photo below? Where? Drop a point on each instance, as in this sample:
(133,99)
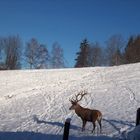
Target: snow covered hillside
(35,103)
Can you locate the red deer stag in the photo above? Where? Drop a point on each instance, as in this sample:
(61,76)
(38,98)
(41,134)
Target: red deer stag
(85,114)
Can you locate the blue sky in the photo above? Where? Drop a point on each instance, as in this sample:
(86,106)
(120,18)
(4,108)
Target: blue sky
(69,21)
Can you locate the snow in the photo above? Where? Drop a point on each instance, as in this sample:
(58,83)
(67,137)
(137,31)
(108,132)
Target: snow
(35,103)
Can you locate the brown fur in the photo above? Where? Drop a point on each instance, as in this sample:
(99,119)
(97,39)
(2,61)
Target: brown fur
(87,114)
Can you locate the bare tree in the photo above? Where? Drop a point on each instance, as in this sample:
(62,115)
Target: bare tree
(43,57)
(31,53)
(95,55)
(57,57)
(37,55)
(115,44)
(12,47)
(2,62)
(1,48)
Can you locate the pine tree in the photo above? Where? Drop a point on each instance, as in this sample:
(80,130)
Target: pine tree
(82,55)
(132,50)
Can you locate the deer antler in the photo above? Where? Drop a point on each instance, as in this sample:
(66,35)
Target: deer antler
(79,95)
(72,100)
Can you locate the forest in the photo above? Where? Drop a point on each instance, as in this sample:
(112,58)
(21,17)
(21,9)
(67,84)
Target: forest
(16,54)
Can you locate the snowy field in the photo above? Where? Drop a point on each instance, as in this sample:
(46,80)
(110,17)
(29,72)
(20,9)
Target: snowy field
(35,103)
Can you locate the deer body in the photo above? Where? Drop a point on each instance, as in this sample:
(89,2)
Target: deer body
(87,114)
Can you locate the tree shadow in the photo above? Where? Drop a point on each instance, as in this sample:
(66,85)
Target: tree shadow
(25,135)
(59,124)
(114,123)
(74,127)
(40,136)
(28,136)
(92,138)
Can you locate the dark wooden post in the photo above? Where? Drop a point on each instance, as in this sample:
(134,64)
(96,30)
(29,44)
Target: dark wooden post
(138,117)
(66,129)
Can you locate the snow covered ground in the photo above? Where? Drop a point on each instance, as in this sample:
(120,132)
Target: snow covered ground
(35,103)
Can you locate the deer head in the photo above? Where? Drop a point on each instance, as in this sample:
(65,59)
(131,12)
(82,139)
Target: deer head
(78,97)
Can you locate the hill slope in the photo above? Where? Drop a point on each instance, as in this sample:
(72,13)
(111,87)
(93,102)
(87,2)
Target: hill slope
(35,103)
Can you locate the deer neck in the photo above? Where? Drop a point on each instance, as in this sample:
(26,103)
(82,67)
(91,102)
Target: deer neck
(78,110)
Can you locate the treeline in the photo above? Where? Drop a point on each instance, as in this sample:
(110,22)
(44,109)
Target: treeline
(116,52)
(35,55)
(32,55)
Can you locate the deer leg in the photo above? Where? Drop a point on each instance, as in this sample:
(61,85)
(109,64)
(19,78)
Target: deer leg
(93,127)
(99,121)
(83,127)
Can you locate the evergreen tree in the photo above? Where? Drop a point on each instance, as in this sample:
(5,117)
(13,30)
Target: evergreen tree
(132,50)
(82,55)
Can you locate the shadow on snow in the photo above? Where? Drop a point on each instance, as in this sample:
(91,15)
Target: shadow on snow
(25,135)
(40,136)
(115,123)
(59,124)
